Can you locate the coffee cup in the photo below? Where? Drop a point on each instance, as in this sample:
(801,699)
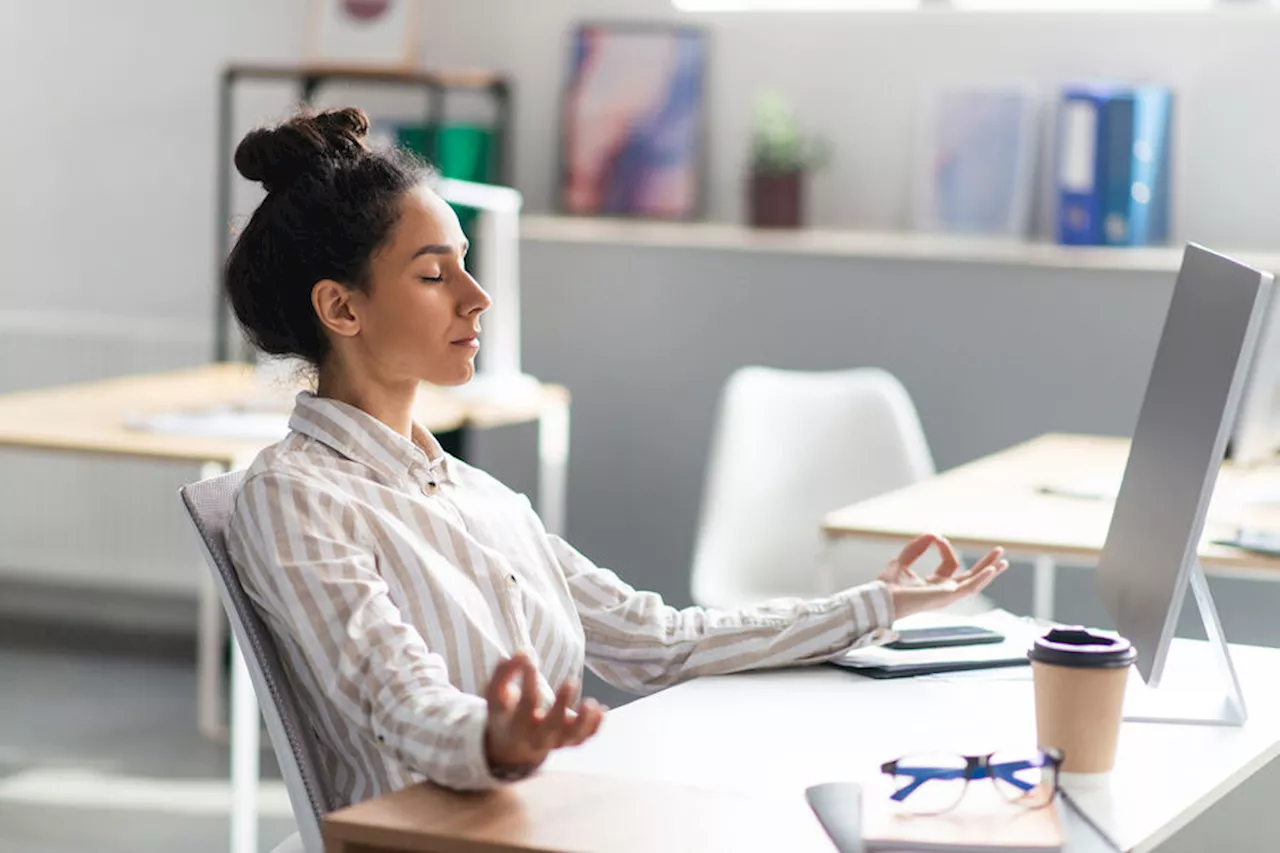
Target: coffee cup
(1080,677)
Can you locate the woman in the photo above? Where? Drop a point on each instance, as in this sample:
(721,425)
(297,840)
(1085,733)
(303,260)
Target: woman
(429,624)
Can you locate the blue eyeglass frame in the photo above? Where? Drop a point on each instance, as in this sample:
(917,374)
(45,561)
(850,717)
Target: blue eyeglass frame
(976,767)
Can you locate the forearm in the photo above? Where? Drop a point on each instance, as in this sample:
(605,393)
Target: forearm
(641,644)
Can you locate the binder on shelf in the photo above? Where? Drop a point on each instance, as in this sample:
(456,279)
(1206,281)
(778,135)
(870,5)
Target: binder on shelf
(1137,211)
(1112,165)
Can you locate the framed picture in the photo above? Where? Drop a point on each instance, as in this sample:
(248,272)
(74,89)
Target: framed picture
(977,153)
(633,122)
(377,33)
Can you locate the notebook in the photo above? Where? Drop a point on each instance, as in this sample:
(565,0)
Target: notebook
(984,822)
(878,661)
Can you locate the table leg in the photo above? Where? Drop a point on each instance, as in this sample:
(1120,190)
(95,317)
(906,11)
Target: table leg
(244,757)
(1042,590)
(553,464)
(210,636)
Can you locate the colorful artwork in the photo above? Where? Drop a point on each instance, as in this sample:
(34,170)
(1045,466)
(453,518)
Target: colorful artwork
(633,122)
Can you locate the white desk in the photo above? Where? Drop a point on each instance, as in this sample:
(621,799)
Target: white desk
(783,731)
(996,500)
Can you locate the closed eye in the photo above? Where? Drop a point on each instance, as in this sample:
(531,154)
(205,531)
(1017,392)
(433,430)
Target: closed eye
(430,278)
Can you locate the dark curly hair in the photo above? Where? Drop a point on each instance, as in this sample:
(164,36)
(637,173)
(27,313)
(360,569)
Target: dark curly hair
(331,202)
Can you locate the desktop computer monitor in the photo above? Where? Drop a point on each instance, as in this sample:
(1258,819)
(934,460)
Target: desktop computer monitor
(1202,362)
(1255,439)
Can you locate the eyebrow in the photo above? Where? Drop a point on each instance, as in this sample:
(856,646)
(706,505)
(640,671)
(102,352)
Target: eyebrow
(439,249)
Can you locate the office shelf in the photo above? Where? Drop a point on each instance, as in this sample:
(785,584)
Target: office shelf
(309,77)
(886,245)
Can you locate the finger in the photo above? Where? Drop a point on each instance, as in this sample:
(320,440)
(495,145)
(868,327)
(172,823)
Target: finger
(978,582)
(597,720)
(587,724)
(525,708)
(914,549)
(498,693)
(590,712)
(556,724)
(950,559)
(994,556)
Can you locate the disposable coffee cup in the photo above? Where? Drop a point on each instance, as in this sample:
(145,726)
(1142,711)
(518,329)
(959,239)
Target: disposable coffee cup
(1080,677)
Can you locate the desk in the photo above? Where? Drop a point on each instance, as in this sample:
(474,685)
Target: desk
(582,813)
(995,501)
(93,418)
(764,737)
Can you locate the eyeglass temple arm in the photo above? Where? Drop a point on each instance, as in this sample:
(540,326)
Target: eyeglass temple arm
(920,775)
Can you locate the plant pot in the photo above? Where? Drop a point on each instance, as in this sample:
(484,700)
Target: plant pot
(777,199)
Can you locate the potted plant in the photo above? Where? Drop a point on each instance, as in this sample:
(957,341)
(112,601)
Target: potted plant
(780,159)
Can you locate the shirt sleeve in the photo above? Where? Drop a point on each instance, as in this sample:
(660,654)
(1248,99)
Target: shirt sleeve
(638,643)
(300,551)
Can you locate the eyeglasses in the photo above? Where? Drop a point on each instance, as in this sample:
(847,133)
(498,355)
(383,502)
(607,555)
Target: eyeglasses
(936,783)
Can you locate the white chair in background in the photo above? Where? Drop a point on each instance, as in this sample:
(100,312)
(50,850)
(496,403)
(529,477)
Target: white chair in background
(209,504)
(788,448)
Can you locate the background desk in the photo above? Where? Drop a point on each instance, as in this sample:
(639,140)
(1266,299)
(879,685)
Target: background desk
(93,418)
(995,501)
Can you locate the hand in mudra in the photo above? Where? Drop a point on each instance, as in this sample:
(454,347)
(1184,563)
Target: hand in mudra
(519,734)
(948,583)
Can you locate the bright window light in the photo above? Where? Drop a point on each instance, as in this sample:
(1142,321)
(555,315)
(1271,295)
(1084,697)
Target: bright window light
(966,5)
(796,5)
(1085,5)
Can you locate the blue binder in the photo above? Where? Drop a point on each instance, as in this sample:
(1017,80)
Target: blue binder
(1138,206)
(1112,170)
(1086,116)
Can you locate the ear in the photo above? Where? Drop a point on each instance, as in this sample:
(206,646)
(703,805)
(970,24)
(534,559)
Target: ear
(332,302)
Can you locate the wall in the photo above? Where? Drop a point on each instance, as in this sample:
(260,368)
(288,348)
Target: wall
(107,234)
(855,78)
(105,230)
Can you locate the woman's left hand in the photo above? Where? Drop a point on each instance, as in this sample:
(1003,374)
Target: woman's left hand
(949,581)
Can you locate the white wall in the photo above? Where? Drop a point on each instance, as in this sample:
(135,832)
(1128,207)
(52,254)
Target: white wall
(106,231)
(106,164)
(855,78)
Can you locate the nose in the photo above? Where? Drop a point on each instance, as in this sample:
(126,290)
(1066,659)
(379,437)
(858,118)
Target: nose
(474,299)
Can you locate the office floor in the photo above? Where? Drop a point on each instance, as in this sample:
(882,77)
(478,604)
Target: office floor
(99,752)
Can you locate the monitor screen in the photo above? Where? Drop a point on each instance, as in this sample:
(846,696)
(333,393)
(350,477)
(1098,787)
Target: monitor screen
(1255,438)
(1201,364)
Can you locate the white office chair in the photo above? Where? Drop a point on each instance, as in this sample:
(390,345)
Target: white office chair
(209,504)
(788,448)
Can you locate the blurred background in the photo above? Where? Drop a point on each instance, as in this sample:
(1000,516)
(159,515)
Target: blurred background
(985,198)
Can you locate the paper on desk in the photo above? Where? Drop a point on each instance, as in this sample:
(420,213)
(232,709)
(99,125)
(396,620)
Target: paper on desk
(228,422)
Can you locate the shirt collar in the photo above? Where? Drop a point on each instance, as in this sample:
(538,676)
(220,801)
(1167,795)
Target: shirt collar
(363,438)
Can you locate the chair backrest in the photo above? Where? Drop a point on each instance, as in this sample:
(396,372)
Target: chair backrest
(209,504)
(788,448)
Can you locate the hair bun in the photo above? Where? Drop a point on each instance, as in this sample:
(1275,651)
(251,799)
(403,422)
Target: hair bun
(275,157)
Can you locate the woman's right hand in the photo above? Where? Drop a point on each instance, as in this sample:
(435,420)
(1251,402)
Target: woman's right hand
(519,735)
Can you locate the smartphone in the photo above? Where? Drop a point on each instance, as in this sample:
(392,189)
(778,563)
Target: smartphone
(950,635)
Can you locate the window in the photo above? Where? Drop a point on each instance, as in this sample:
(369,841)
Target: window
(795,5)
(963,5)
(1086,5)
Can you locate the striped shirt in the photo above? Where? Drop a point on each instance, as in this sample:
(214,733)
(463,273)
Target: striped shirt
(395,577)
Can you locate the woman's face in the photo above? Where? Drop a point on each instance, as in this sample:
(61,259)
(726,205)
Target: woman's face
(421,317)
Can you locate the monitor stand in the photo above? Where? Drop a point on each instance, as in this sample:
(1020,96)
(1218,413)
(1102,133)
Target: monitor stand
(1193,685)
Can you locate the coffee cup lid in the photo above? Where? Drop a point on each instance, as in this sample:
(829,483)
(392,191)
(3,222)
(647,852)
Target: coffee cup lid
(1081,647)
